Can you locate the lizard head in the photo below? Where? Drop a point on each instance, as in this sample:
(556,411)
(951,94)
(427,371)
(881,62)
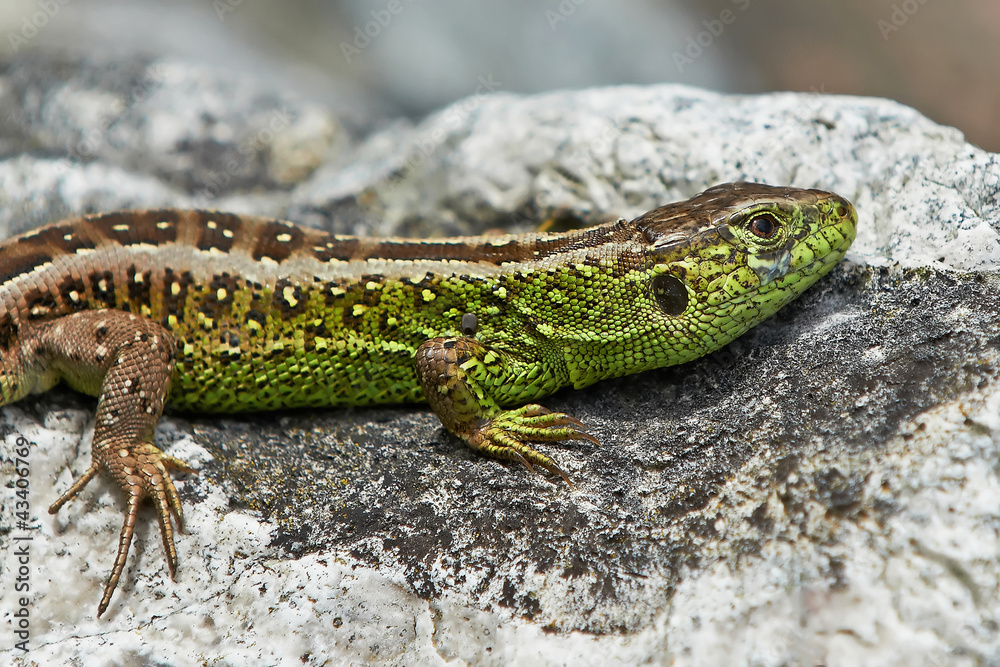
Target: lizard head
(733,255)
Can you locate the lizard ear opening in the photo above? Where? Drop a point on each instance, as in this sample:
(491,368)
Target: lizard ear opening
(669,293)
(469,324)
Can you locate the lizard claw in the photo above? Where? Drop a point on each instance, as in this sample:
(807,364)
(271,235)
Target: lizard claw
(140,471)
(505,435)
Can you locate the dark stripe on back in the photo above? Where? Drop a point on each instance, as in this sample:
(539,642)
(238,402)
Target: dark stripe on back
(19,263)
(220,235)
(511,251)
(135,227)
(118,226)
(277,240)
(332,248)
(66,238)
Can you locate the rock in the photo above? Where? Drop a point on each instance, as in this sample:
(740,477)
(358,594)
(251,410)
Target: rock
(138,115)
(823,490)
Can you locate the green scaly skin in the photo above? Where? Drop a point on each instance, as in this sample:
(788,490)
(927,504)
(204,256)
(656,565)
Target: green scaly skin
(540,328)
(217,313)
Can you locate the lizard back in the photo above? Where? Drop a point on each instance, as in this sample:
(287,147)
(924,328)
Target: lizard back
(266,314)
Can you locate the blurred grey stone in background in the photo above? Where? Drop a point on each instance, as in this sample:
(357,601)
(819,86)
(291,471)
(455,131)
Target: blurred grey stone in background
(825,488)
(383,58)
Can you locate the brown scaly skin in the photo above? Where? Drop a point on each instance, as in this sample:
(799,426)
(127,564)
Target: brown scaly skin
(129,361)
(214,312)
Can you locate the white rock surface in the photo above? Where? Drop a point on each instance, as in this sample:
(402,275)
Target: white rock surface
(904,571)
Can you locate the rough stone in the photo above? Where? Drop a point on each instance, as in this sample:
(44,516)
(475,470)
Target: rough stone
(823,490)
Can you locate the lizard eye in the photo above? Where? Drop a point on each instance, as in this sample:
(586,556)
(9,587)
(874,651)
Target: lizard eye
(762,226)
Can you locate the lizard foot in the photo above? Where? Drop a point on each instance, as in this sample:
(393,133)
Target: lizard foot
(140,471)
(504,436)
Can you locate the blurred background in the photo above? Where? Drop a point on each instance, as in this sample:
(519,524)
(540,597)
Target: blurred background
(381,59)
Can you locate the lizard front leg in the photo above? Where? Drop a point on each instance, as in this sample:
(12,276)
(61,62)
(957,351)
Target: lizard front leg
(461,380)
(127,361)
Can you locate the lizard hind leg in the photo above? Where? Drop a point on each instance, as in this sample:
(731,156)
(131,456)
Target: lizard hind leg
(460,377)
(127,361)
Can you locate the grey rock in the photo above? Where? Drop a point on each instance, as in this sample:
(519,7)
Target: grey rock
(823,490)
(138,114)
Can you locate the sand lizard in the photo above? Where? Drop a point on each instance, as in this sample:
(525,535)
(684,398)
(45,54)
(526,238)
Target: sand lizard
(214,312)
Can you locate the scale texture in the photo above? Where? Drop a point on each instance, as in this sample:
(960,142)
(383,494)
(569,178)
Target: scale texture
(213,312)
